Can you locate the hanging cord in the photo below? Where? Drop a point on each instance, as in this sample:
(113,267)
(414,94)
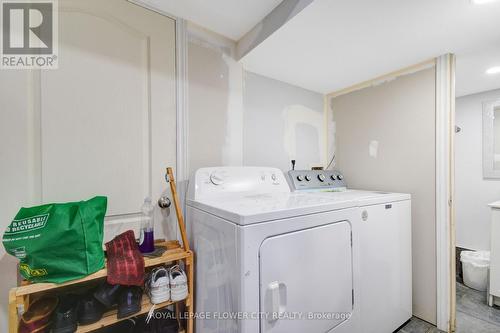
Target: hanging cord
(331,161)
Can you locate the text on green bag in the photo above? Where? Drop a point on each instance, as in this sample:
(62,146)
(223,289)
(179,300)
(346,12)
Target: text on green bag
(27,224)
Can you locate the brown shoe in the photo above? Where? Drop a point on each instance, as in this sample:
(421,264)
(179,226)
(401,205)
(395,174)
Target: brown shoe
(37,318)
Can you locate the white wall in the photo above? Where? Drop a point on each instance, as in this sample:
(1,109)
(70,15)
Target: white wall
(215,105)
(16,171)
(472,192)
(282,122)
(385,140)
(241,118)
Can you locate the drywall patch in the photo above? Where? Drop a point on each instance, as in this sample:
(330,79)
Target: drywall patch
(302,122)
(232,152)
(215,101)
(373,148)
(207,106)
(282,122)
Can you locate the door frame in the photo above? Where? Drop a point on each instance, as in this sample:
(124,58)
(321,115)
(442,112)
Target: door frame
(181,103)
(445,220)
(181,61)
(181,84)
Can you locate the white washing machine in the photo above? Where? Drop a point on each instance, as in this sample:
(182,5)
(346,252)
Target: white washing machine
(385,249)
(268,260)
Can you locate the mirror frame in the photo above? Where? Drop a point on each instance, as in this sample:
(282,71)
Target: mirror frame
(489,171)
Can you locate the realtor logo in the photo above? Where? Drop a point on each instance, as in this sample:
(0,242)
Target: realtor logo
(29,34)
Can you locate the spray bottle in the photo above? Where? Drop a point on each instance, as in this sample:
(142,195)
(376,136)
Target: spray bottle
(147,241)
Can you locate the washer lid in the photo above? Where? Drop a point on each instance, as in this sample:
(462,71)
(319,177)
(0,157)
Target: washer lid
(249,208)
(364,198)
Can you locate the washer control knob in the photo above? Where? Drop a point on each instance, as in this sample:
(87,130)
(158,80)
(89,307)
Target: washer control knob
(300,178)
(274,177)
(308,178)
(340,177)
(333,177)
(321,177)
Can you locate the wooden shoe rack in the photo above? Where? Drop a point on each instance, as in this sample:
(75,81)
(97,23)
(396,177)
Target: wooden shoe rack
(20,297)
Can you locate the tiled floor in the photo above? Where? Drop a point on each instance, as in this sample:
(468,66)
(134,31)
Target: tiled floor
(473,315)
(418,326)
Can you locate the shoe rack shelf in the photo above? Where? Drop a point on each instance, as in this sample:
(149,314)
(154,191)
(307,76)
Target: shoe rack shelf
(109,318)
(19,297)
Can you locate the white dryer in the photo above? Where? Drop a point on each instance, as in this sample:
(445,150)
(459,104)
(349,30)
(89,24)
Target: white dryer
(385,249)
(268,260)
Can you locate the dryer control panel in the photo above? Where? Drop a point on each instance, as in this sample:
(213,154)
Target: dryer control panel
(225,180)
(328,180)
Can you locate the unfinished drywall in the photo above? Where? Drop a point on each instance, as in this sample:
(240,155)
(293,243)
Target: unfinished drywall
(215,109)
(473,193)
(385,140)
(241,118)
(282,122)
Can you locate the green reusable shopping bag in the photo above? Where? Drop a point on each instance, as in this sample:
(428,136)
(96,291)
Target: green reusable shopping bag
(58,242)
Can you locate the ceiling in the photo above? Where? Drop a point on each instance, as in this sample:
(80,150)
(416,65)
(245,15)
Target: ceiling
(230,18)
(333,44)
(471,69)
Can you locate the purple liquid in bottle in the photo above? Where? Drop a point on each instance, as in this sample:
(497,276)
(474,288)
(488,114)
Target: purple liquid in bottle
(147,241)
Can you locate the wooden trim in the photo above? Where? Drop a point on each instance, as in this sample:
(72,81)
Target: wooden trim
(386,77)
(452,244)
(445,96)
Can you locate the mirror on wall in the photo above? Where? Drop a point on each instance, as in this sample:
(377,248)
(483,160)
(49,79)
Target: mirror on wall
(491,139)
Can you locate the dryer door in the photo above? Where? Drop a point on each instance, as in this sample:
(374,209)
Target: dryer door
(306,279)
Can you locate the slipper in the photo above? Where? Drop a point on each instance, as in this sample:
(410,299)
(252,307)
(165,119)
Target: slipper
(37,317)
